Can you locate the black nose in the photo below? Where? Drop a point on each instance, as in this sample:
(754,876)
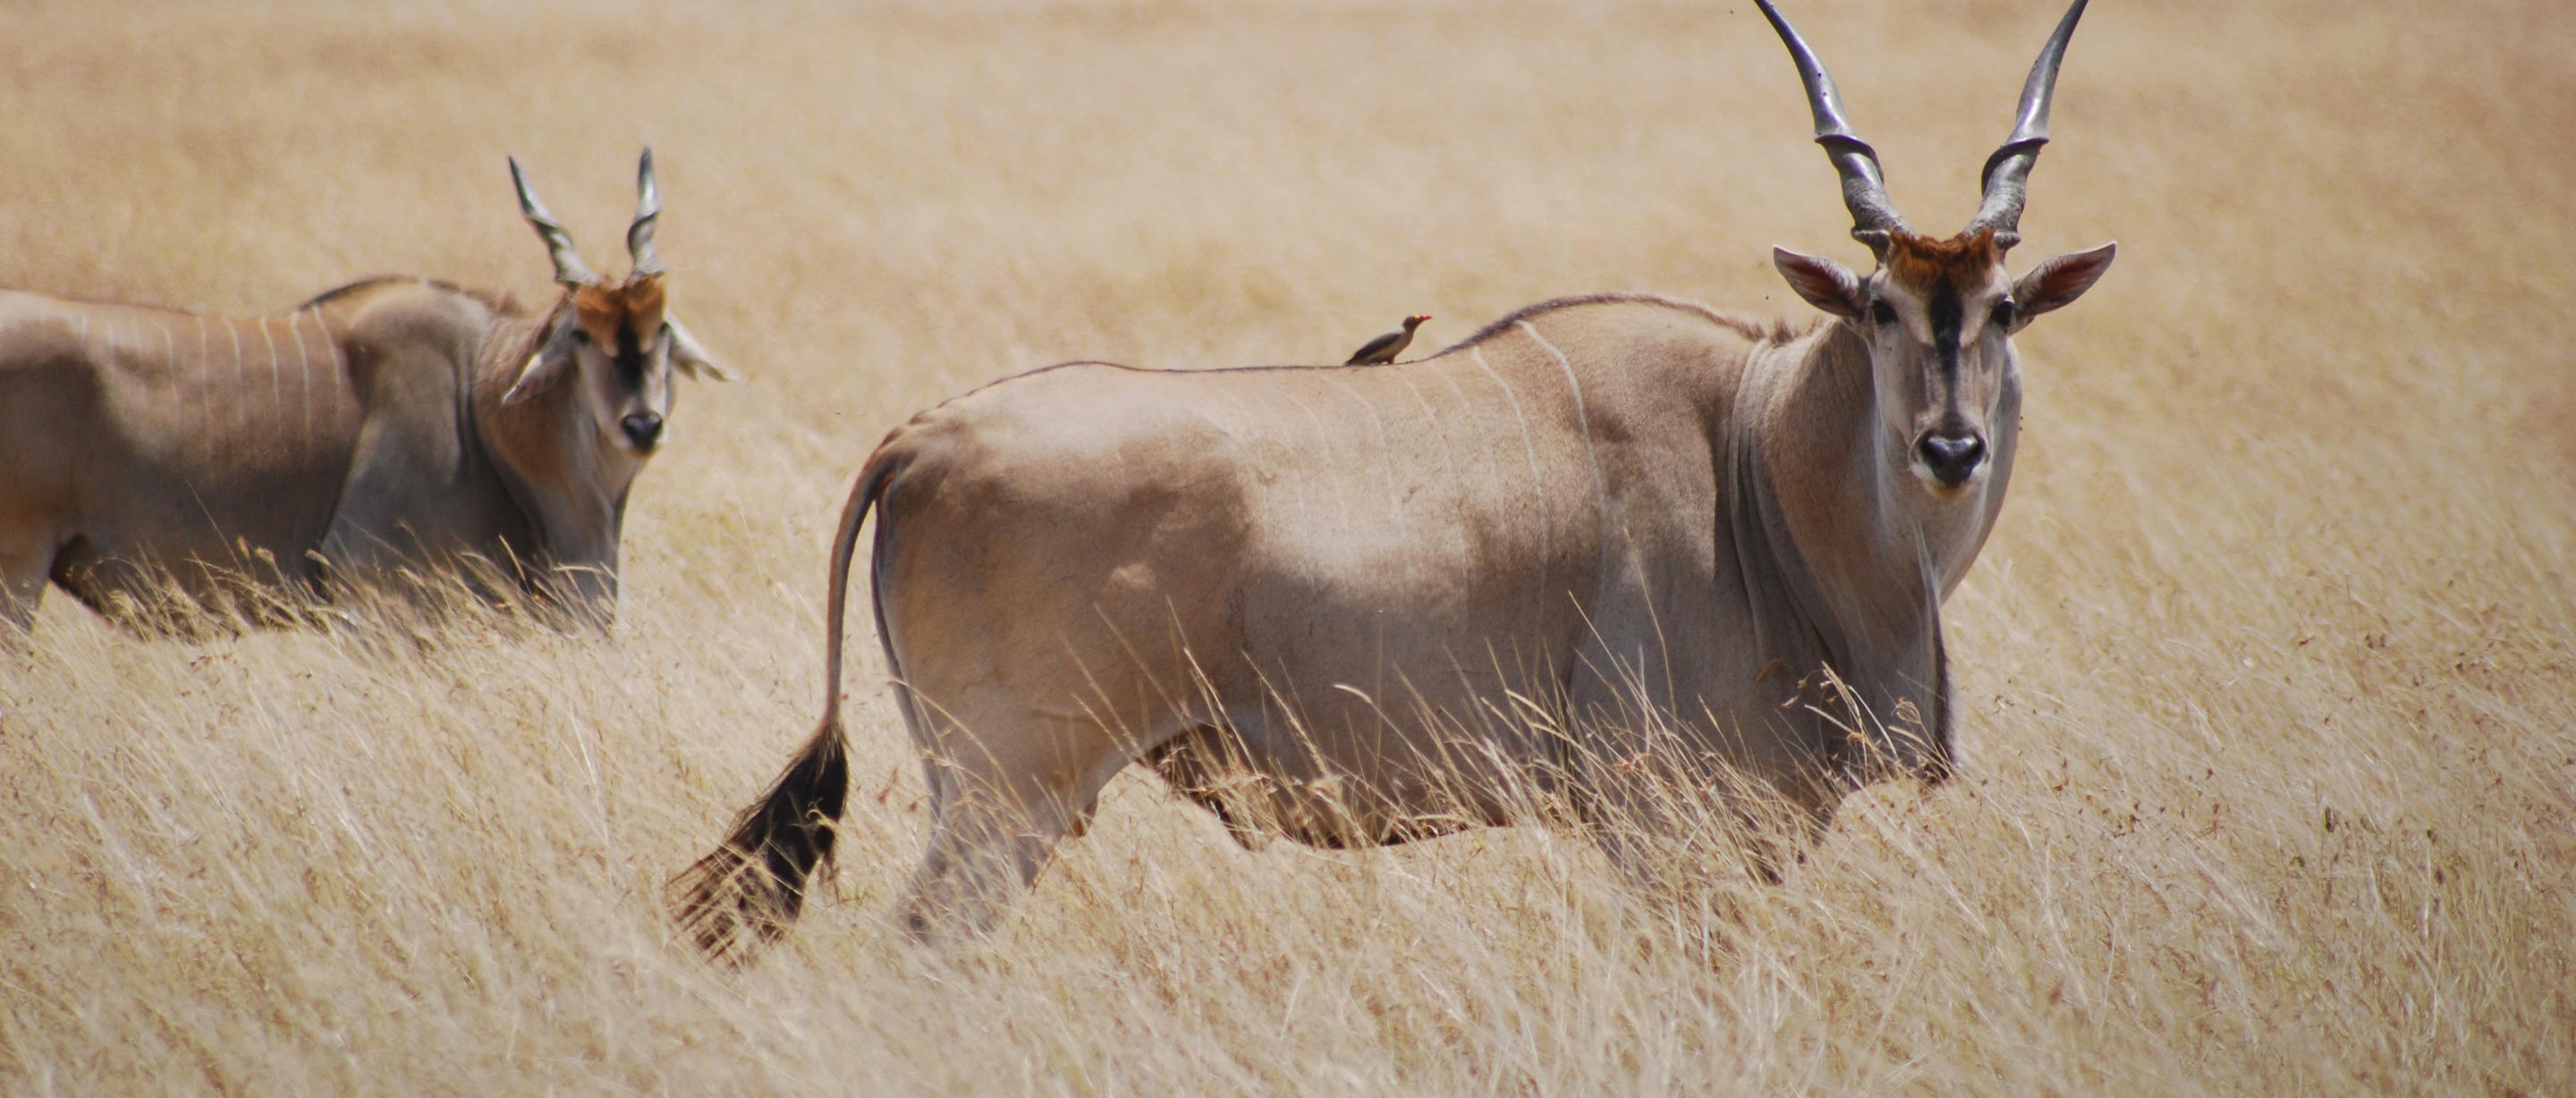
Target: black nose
(1951,458)
(643,429)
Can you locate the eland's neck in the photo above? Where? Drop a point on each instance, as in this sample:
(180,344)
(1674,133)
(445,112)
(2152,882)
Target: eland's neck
(551,451)
(1881,550)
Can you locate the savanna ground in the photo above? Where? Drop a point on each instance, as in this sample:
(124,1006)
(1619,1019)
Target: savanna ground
(2270,670)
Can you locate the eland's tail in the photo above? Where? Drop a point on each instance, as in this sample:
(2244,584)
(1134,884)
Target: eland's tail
(745,893)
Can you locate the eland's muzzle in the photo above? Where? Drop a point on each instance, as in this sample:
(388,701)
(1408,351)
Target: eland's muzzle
(643,430)
(1951,460)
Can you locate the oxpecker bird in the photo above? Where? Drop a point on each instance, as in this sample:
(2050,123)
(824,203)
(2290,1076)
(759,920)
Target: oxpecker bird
(1388,344)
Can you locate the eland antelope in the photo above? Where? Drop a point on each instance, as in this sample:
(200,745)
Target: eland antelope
(386,424)
(1362,606)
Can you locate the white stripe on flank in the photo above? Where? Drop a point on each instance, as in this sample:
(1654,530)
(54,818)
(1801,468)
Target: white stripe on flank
(1394,491)
(1582,421)
(1538,486)
(170,366)
(106,359)
(339,366)
(200,370)
(1248,422)
(239,370)
(1448,465)
(108,363)
(1469,408)
(276,379)
(304,370)
(1341,504)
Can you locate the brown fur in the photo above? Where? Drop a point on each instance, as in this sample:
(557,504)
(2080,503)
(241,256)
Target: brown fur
(507,354)
(1098,532)
(633,307)
(1923,264)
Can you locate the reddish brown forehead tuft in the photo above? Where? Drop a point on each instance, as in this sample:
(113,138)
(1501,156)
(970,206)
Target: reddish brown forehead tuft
(633,307)
(1923,264)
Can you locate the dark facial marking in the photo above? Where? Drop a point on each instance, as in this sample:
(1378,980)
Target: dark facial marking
(630,356)
(1945,313)
(1936,270)
(621,320)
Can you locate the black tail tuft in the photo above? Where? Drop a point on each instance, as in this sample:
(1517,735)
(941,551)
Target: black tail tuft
(745,893)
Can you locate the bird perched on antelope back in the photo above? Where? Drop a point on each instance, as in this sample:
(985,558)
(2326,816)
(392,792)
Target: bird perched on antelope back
(1387,345)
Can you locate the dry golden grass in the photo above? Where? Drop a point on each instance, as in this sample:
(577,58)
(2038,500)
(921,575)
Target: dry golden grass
(2271,662)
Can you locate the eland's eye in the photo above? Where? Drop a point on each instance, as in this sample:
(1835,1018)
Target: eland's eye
(581,336)
(2005,313)
(1881,312)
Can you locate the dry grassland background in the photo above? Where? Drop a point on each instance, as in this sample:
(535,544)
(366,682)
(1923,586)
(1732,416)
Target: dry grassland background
(2269,666)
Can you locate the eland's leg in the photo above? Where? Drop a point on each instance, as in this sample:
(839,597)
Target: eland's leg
(26,565)
(999,805)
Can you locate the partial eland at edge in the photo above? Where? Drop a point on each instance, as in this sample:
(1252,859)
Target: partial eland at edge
(384,426)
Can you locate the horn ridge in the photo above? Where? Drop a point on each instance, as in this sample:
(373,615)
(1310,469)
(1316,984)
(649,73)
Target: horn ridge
(569,269)
(2005,180)
(1874,216)
(648,209)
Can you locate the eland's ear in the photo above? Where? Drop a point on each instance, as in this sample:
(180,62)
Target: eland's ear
(1824,283)
(552,360)
(2060,279)
(688,354)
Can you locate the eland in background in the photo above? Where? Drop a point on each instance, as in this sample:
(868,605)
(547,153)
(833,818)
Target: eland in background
(388,425)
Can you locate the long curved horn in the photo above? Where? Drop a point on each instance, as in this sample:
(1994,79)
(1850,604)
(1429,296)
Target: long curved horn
(569,269)
(648,206)
(2006,180)
(1874,218)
